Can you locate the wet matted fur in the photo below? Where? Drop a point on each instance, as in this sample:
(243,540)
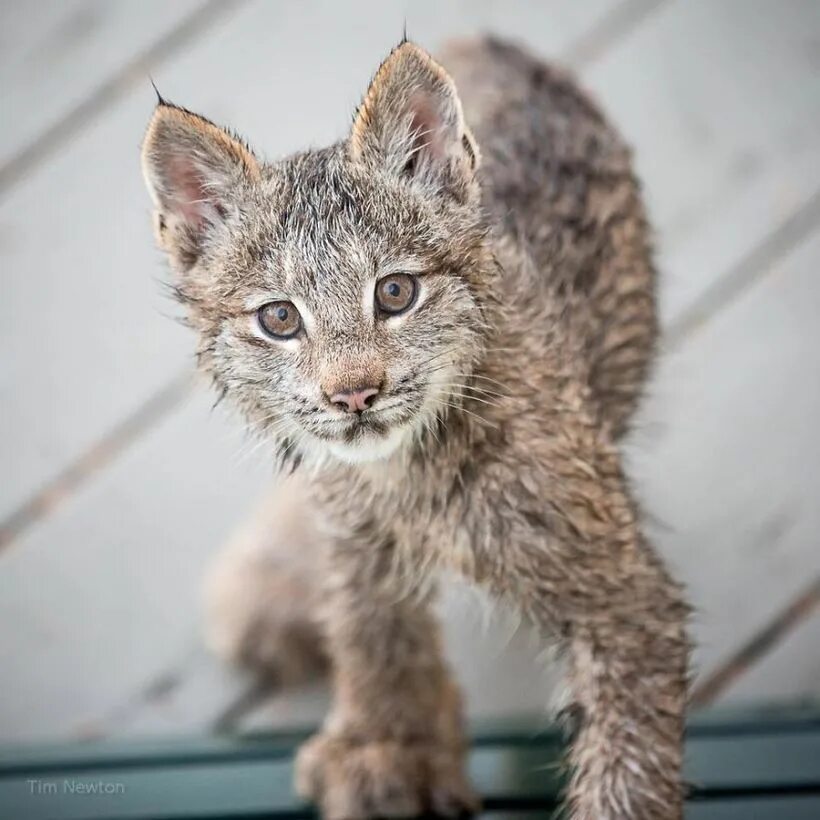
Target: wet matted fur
(491,447)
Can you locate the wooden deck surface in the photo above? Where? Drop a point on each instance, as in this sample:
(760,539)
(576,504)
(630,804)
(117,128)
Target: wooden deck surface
(119,484)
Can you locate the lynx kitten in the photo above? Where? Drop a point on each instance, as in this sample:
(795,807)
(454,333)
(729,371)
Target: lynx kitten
(443,324)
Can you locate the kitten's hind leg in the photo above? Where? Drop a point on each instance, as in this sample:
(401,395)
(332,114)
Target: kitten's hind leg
(261,593)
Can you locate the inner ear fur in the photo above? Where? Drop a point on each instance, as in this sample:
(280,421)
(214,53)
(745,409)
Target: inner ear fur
(194,171)
(411,122)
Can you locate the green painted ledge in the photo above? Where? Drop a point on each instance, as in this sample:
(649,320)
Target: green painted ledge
(759,764)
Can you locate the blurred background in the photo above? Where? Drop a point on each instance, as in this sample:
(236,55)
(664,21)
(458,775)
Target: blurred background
(118,482)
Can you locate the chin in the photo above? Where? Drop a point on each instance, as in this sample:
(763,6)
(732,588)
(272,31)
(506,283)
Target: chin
(370,447)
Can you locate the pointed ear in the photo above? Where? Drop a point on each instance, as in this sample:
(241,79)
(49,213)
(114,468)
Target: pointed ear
(195,173)
(410,124)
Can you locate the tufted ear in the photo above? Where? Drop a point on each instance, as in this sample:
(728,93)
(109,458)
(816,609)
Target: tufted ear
(410,124)
(195,173)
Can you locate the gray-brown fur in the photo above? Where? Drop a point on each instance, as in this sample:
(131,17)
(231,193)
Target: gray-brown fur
(508,384)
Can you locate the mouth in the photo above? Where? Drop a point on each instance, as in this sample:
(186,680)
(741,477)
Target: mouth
(371,436)
(368,425)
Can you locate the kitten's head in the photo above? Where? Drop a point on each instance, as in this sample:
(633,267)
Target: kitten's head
(338,293)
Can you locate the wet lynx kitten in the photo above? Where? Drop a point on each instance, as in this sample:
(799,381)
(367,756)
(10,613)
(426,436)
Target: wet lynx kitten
(443,323)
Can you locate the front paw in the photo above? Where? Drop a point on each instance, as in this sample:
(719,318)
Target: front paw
(383,778)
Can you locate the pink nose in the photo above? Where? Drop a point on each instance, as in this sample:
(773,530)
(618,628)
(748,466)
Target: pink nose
(354,401)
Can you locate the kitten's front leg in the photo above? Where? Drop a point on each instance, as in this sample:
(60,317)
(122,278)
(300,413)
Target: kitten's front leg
(392,745)
(575,559)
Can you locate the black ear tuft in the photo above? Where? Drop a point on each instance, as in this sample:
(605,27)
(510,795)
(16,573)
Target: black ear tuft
(160,99)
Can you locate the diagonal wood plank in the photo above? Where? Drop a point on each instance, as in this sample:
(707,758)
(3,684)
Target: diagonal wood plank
(789,672)
(54,54)
(762,643)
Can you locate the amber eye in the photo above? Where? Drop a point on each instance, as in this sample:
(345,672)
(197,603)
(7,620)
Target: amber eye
(396,293)
(281,320)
